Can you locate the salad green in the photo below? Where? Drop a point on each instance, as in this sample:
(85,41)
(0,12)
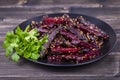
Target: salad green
(24,43)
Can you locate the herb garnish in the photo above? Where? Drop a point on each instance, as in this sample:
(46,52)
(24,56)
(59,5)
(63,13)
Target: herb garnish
(24,43)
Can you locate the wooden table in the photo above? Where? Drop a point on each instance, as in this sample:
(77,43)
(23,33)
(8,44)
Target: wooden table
(13,12)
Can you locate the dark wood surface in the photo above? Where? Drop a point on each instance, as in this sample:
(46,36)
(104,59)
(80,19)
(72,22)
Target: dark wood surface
(13,12)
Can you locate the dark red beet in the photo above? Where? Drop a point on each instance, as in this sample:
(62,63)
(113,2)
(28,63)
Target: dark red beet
(65,49)
(68,34)
(92,31)
(76,57)
(82,43)
(70,39)
(50,20)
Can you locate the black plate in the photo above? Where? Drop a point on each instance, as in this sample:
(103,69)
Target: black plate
(104,26)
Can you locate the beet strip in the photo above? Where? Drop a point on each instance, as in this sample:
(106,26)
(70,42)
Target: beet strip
(87,29)
(50,39)
(75,40)
(65,49)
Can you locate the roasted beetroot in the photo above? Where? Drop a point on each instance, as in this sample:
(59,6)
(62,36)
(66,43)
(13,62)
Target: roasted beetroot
(70,39)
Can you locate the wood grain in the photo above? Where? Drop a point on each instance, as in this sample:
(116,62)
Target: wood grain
(13,12)
(104,67)
(81,3)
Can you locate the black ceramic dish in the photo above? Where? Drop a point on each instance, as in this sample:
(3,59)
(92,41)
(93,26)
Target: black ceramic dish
(102,25)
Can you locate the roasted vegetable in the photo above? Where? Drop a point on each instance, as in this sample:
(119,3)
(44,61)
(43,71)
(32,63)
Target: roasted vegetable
(71,40)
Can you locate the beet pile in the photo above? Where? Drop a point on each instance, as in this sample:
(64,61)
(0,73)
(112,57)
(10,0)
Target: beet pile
(70,39)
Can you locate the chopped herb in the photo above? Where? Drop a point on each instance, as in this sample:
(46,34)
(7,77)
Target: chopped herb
(24,43)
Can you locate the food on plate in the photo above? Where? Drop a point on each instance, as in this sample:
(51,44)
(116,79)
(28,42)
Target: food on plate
(70,39)
(57,40)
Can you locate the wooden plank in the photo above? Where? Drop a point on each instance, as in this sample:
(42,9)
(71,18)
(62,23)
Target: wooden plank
(96,11)
(109,13)
(5,3)
(8,2)
(60,78)
(81,3)
(25,13)
(55,8)
(99,68)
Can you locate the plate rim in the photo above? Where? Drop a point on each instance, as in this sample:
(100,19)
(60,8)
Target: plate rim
(81,63)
